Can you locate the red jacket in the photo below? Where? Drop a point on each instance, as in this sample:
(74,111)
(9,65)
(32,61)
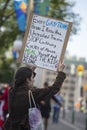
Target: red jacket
(4,97)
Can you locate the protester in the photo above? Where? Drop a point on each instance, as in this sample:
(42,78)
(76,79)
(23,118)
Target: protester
(19,99)
(45,107)
(1,115)
(57,108)
(4,97)
(3,104)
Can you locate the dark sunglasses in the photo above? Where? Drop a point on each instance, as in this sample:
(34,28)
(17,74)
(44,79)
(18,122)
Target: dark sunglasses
(34,74)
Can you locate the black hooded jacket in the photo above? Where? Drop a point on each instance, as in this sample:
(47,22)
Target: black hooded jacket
(19,103)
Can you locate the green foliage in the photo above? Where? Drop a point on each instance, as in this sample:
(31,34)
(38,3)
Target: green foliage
(62,9)
(8,33)
(6,73)
(8,25)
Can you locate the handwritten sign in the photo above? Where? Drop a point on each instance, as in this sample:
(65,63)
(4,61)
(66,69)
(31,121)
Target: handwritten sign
(46,41)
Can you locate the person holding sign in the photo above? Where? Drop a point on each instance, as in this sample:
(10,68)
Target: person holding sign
(19,99)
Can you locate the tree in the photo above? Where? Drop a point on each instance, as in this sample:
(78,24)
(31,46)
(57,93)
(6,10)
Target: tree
(62,9)
(9,28)
(8,33)
(8,25)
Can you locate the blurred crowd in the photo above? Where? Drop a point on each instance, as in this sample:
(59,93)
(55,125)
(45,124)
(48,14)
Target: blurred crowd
(4,89)
(51,105)
(46,106)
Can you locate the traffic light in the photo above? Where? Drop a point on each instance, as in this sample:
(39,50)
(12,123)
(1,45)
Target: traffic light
(80,70)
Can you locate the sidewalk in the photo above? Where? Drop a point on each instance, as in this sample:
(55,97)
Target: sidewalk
(79,120)
(62,125)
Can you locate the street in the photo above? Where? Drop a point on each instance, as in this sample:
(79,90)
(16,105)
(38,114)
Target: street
(65,124)
(62,125)
(79,119)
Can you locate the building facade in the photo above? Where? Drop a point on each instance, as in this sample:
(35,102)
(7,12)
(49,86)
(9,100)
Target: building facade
(72,87)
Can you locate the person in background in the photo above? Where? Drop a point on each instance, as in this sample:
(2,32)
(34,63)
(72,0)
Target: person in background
(1,108)
(4,97)
(57,108)
(19,98)
(45,107)
(1,115)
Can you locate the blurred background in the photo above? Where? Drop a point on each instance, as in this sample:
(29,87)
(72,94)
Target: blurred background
(13,20)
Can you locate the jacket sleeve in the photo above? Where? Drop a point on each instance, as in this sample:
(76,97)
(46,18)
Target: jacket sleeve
(4,95)
(42,93)
(56,100)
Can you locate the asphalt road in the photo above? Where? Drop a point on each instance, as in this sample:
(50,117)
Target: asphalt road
(62,125)
(79,119)
(66,123)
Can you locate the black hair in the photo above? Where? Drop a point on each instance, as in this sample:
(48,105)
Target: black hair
(21,75)
(46,84)
(34,74)
(20,78)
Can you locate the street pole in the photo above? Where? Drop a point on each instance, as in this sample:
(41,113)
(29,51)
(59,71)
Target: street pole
(86,110)
(80,70)
(73,114)
(72,71)
(86,116)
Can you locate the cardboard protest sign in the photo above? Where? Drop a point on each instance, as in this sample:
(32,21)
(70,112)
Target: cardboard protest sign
(45,42)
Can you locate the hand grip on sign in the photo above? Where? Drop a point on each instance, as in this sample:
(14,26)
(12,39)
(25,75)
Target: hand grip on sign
(32,67)
(61,66)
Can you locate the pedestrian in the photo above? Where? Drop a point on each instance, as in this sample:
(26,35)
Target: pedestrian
(19,99)
(57,108)
(45,107)
(4,97)
(1,115)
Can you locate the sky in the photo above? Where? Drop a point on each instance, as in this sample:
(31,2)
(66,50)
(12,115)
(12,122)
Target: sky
(78,45)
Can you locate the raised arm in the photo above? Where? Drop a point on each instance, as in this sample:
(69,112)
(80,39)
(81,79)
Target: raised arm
(41,93)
